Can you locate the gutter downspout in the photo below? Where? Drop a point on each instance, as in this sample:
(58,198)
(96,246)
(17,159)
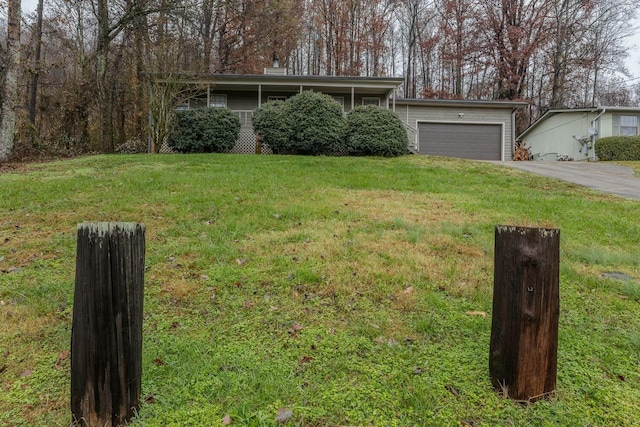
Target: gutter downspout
(513,134)
(593,137)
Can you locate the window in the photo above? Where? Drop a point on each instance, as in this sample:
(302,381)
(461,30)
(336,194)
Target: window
(182,106)
(628,125)
(339,100)
(276,98)
(218,101)
(370,101)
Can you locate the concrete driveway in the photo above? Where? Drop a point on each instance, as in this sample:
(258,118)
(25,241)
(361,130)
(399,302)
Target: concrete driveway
(605,177)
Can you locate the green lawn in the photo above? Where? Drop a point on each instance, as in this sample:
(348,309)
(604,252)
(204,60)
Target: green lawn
(335,287)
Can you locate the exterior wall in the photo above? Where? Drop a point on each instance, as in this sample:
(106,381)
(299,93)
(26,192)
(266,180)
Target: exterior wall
(605,127)
(413,114)
(553,139)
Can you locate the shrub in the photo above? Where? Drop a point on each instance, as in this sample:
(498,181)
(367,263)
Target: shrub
(132,146)
(618,148)
(269,124)
(315,124)
(374,131)
(206,130)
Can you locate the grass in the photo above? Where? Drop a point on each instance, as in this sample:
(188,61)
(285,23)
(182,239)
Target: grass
(335,287)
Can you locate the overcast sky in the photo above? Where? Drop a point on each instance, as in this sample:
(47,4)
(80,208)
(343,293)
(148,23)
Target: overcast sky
(633,61)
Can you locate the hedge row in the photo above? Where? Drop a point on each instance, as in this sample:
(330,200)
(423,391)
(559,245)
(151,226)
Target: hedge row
(312,123)
(618,148)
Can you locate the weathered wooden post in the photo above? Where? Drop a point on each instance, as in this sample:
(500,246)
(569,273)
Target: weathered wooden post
(526,307)
(106,336)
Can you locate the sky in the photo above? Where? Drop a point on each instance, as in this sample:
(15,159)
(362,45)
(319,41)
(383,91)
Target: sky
(633,43)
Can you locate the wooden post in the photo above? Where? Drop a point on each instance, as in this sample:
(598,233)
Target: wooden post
(106,336)
(526,307)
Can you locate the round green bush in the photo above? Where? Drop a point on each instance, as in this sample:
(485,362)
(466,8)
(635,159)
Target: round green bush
(269,124)
(374,131)
(206,130)
(315,124)
(618,148)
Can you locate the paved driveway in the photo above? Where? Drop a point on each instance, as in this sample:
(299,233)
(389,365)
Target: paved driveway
(605,177)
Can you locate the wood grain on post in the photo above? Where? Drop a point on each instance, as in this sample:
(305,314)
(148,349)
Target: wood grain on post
(526,308)
(106,337)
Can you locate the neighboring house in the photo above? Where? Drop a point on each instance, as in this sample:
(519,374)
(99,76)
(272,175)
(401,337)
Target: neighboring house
(482,130)
(572,134)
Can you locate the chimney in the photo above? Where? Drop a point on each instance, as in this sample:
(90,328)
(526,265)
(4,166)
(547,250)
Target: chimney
(275,69)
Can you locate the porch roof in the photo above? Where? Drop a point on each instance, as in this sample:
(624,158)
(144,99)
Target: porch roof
(252,82)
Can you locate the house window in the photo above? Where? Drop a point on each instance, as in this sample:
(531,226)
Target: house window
(628,125)
(339,100)
(276,98)
(371,101)
(182,106)
(218,101)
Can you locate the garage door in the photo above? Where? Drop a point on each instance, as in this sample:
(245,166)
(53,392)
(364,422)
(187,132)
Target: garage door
(467,141)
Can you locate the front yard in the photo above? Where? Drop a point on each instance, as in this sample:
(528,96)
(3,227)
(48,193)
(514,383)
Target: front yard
(350,291)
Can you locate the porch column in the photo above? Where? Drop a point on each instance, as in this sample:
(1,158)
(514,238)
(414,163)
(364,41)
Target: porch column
(353,97)
(208,94)
(301,88)
(259,95)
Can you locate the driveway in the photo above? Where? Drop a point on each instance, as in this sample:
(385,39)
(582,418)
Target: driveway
(605,177)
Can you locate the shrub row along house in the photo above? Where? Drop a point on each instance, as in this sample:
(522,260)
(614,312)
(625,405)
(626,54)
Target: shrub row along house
(482,130)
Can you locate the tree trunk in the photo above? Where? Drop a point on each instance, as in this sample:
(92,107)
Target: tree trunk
(10,89)
(33,89)
(105,100)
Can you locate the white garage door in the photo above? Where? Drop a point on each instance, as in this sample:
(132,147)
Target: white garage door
(467,141)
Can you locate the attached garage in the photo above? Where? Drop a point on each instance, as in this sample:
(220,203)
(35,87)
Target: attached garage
(479,130)
(479,141)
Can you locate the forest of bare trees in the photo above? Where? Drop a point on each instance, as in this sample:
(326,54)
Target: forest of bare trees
(78,64)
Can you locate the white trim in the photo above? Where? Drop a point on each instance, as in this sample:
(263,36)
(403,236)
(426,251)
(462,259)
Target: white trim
(454,122)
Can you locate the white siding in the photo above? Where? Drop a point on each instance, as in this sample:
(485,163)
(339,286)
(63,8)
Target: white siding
(553,138)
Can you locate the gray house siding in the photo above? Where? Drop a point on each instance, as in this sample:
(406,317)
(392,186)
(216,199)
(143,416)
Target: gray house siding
(414,115)
(452,120)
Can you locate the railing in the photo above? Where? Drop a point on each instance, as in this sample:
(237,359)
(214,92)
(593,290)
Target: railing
(245,118)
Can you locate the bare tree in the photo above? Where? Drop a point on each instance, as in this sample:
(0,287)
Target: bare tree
(10,74)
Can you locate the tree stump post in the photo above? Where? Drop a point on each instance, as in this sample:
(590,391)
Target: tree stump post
(106,336)
(526,308)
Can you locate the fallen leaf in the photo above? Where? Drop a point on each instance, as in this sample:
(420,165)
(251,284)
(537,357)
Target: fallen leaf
(622,378)
(26,373)
(417,370)
(476,313)
(150,399)
(226,420)
(305,359)
(408,290)
(241,261)
(3,368)
(452,390)
(295,328)
(284,415)
(63,355)
(248,304)
(158,362)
